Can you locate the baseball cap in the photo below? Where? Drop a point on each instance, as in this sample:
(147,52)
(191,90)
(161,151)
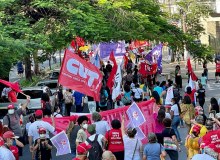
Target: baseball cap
(82,147)
(41,129)
(9,134)
(11,106)
(204,143)
(91,129)
(196,129)
(39,113)
(73,118)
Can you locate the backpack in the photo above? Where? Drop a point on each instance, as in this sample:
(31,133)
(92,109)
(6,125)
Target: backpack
(95,152)
(126,100)
(48,107)
(103,100)
(176,92)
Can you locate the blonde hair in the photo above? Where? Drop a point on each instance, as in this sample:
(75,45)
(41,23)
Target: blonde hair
(70,128)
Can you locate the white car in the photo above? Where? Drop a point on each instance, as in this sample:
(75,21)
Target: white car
(35,93)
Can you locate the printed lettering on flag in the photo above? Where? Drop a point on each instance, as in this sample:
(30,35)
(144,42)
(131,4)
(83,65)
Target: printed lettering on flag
(61,142)
(79,75)
(117,84)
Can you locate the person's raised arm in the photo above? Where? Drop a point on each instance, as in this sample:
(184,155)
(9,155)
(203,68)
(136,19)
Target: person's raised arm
(37,145)
(18,143)
(24,106)
(123,126)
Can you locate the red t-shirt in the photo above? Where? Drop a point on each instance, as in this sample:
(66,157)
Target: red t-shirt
(217,67)
(191,95)
(76,159)
(42,101)
(214,138)
(115,140)
(13,96)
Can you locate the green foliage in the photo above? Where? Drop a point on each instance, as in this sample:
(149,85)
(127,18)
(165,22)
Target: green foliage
(26,83)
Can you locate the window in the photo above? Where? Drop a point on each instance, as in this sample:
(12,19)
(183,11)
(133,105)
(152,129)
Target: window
(34,94)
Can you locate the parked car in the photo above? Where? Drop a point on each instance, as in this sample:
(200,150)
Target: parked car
(52,84)
(35,93)
(55,74)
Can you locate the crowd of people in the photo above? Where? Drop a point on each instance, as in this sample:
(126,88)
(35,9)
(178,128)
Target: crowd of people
(101,140)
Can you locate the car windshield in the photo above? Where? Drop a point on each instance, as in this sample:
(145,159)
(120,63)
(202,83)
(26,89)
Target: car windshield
(55,74)
(3,112)
(34,94)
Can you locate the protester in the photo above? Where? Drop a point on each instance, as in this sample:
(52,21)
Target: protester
(12,96)
(153,150)
(178,78)
(68,100)
(187,111)
(157,98)
(216,125)
(61,100)
(176,91)
(175,115)
(135,71)
(163,85)
(20,69)
(203,80)
(171,144)
(127,95)
(214,105)
(205,71)
(199,111)
(158,88)
(12,120)
(103,94)
(31,120)
(108,155)
(97,141)
(134,83)
(109,68)
(115,145)
(190,93)
(128,78)
(5,153)
(167,114)
(46,104)
(78,100)
(201,95)
(82,151)
(200,121)
(5,92)
(81,134)
(57,112)
(217,73)
(43,145)
(133,147)
(138,93)
(159,127)
(101,126)
(193,141)
(39,123)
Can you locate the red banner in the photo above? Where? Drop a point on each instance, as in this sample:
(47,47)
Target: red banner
(145,69)
(111,78)
(189,65)
(79,75)
(80,41)
(153,68)
(73,44)
(145,107)
(140,43)
(112,58)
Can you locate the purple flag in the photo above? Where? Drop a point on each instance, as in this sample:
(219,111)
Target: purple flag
(61,142)
(135,115)
(155,56)
(140,134)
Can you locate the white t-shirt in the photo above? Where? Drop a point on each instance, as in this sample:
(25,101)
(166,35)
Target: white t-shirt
(132,85)
(101,127)
(92,137)
(129,145)
(137,92)
(6,91)
(28,126)
(6,154)
(175,109)
(57,114)
(167,115)
(34,127)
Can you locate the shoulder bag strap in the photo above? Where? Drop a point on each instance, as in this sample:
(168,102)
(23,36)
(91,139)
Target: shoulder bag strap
(134,149)
(9,122)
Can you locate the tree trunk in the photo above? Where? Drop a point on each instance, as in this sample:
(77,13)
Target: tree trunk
(60,57)
(172,56)
(28,67)
(36,66)
(50,63)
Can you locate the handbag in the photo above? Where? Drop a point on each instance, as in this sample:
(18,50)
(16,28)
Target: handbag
(169,143)
(126,100)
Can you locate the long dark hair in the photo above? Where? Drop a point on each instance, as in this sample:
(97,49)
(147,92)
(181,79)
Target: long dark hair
(188,90)
(156,96)
(213,101)
(177,103)
(162,83)
(45,97)
(102,90)
(161,115)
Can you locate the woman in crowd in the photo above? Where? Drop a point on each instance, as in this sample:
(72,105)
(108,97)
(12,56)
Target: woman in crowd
(153,150)
(68,100)
(133,146)
(201,95)
(60,100)
(115,145)
(133,84)
(127,95)
(178,78)
(175,116)
(190,93)
(159,127)
(216,125)
(101,126)
(57,112)
(167,114)
(163,85)
(138,93)
(128,78)
(193,141)
(103,94)
(81,134)
(157,98)
(205,70)
(188,112)
(44,100)
(214,105)
(43,146)
(171,144)
(147,92)
(135,72)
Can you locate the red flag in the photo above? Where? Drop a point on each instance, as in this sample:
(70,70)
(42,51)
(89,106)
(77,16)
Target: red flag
(73,44)
(193,76)
(80,41)
(80,75)
(111,79)
(140,43)
(125,61)
(80,55)
(189,65)
(14,86)
(145,69)
(112,58)
(153,68)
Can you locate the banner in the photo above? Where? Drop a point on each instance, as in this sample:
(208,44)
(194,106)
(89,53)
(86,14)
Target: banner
(80,75)
(140,43)
(169,95)
(124,62)
(73,45)
(112,58)
(111,78)
(61,142)
(155,56)
(145,107)
(118,49)
(80,41)
(189,65)
(132,57)
(145,69)
(117,84)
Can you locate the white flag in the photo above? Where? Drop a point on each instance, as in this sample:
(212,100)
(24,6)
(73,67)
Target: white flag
(191,84)
(117,84)
(169,95)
